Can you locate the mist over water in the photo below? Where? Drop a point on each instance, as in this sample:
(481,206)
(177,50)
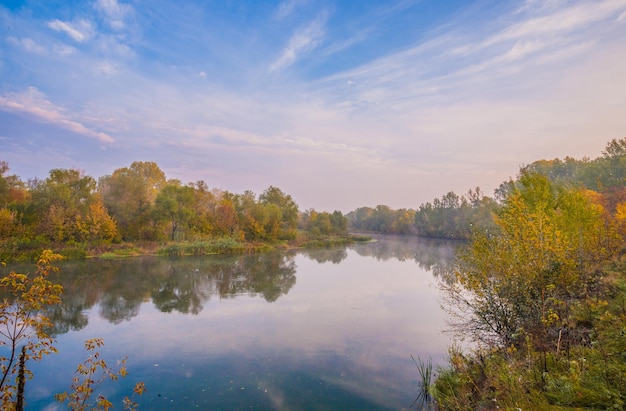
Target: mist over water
(312,329)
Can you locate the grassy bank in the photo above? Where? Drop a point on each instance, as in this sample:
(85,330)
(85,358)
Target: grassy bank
(28,251)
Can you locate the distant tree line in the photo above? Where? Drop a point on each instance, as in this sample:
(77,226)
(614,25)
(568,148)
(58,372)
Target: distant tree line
(451,216)
(458,216)
(138,203)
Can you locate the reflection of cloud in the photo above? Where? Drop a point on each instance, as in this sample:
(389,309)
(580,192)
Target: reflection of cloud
(35,103)
(348,327)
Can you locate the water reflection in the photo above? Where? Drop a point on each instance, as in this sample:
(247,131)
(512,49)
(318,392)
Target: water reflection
(184,285)
(240,332)
(333,255)
(119,287)
(436,256)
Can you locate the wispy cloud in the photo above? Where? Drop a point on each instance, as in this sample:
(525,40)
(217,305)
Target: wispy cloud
(464,101)
(80,31)
(343,44)
(301,42)
(27,44)
(35,103)
(63,50)
(287,7)
(114,12)
(451,60)
(549,22)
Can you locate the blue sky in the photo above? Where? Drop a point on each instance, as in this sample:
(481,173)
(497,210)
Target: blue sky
(339,103)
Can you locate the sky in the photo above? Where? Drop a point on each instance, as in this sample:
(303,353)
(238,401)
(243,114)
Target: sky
(341,104)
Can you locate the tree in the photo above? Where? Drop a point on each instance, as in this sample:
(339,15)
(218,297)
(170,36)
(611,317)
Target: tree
(204,209)
(61,204)
(8,223)
(226,222)
(100,226)
(521,282)
(339,223)
(24,330)
(174,204)
(22,326)
(13,191)
(287,208)
(129,194)
(93,371)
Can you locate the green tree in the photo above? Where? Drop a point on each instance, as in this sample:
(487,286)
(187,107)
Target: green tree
(286,207)
(175,204)
(250,216)
(204,209)
(129,194)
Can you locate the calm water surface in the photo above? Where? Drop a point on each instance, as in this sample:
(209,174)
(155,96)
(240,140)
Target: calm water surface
(322,329)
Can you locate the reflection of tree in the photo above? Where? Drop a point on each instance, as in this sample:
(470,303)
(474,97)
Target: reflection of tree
(112,284)
(181,289)
(432,255)
(66,318)
(117,308)
(119,287)
(271,275)
(322,255)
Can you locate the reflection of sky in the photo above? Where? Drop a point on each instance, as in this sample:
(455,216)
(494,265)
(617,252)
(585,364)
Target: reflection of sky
(351,326)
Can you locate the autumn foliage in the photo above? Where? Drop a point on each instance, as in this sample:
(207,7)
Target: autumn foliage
(542,298)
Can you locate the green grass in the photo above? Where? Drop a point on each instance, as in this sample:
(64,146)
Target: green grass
(217,246)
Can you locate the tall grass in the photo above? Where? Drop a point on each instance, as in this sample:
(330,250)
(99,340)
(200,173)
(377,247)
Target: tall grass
(424,400)
(217,246)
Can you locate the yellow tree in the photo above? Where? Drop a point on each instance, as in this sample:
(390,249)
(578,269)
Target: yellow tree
(520,283)
(23,332)
(22,326)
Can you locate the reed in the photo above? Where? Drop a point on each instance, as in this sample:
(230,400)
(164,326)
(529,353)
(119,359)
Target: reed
(424,400)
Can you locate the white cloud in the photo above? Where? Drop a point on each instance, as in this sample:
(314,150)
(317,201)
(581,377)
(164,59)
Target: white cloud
(566,19)
(106,68)
(27,44)
(80,31)
(35,103)
(286,8)
(302,41)
(338,46)
(520,86)
(114,12)
(64,50)
(112,45)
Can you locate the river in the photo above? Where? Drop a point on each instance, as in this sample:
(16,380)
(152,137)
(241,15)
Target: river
(324,329)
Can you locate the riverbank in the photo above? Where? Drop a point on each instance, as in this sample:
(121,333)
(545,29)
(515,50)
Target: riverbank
(27,252)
